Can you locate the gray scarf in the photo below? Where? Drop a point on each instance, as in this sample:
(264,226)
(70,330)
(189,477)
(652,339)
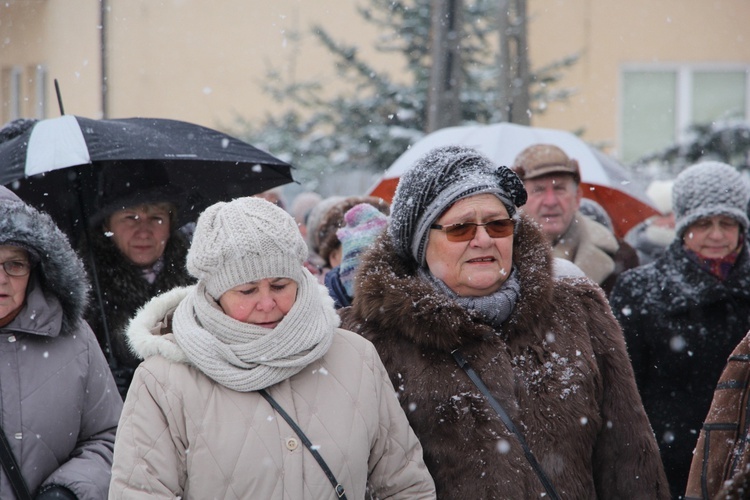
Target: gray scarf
(245,357)
(494,308)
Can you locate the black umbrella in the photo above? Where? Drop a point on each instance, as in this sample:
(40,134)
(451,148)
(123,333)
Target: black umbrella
(67,166)
(56,164)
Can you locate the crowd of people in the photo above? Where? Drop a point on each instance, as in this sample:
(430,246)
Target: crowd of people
(255,352)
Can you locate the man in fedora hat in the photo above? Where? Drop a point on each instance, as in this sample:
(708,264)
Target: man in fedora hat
(552,181)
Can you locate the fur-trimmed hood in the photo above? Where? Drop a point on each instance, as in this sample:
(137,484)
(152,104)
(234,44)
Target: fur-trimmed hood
(149,332)
(60,272)
(433,312)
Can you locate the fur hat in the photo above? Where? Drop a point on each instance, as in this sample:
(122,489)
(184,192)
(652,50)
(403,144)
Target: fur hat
(438,180)
(247,239)
(333,220)
(544,159)
(660,193)
(120,188)
(707,189)
(364,223)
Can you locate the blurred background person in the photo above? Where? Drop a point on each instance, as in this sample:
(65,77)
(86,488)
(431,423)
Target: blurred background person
(301,207)
(552,181)
(256,330)
(651,237)
(59,403)
(596,212)
(461,280)
(364,223)
(138,253)
(684,313)
(275,196)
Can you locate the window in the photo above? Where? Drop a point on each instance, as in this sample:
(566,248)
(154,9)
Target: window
(24,92)
(660,103)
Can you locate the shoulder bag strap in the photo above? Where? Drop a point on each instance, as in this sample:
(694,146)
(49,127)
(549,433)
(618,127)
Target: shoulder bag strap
(338,488)
(474,376)
(12,470)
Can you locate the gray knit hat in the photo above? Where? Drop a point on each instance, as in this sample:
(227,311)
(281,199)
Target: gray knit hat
(247,239)
(438,180)
(707,189)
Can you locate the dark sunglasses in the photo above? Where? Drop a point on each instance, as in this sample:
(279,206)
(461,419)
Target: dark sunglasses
(465,231)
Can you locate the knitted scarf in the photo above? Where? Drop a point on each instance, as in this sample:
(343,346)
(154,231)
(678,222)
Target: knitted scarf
(721,267)
(494,308)
(245,357)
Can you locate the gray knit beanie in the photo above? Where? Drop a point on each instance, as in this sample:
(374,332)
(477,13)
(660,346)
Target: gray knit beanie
(247,239)
(707,189)
(438,180)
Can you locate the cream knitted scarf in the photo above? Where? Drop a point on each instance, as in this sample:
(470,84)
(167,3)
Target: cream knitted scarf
(245,357)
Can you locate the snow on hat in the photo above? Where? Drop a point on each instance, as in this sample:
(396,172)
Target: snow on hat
(660,193)
(438,180)
(364,223)
(544,159)
(707,189)
(247,239)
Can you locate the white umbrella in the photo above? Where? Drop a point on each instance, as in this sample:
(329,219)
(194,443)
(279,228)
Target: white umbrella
(603,179)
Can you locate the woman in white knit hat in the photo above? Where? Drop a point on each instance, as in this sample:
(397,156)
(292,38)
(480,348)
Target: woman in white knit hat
(235,363)
(684,313)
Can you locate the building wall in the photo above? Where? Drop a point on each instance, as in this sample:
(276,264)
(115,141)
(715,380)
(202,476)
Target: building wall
(207,62)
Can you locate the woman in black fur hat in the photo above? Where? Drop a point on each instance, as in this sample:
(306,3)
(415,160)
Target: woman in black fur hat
(138,253)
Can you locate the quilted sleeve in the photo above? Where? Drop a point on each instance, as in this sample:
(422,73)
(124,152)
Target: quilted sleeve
(87,472)
(396,466)
(149,460)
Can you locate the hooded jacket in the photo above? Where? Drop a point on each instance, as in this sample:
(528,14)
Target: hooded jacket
(184,435)
(60,406)
(558,366)
(681,323)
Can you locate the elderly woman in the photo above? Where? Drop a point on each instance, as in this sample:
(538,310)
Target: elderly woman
(138,253)
(59,403)
(478,336)
(234,361)
(684,313)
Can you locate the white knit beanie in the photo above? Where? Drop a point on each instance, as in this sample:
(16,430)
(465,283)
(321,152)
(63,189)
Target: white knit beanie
(247,239)
(707,189)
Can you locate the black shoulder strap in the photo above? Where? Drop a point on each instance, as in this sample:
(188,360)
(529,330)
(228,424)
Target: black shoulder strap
(12,470)
(474,376)
(338,488)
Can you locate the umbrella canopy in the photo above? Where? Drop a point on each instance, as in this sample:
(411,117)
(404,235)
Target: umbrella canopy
(603,179)
(56,164)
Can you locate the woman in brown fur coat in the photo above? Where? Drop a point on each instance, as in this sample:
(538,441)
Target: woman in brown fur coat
(460,270)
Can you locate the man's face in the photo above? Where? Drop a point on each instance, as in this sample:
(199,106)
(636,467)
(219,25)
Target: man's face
(553,201)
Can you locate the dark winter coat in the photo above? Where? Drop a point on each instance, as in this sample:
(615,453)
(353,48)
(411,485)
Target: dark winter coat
(558,366)
(723,449)
(124,291)
(60,406)
(680,323)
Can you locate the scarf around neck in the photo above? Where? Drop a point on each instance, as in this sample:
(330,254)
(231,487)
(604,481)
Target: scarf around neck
(494,308)
(720,268)
(246,357)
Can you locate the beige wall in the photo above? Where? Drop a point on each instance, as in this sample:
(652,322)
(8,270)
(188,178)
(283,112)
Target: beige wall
(613,33)
(206,61)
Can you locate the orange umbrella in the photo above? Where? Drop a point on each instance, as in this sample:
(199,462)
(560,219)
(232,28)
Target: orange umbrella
(603,179)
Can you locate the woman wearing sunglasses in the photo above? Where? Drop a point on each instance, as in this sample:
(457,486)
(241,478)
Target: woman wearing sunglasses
(517,382)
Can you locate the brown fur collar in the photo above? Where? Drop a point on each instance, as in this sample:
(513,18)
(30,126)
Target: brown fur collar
(387,305)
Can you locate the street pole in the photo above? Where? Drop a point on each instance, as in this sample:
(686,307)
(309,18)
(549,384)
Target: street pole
(444,104)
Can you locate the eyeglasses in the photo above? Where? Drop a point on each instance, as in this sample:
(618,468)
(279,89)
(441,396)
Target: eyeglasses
(16,268)
(465,231)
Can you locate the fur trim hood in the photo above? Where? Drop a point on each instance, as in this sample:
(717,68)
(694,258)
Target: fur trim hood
(150,331)
(60,272)
(433,312)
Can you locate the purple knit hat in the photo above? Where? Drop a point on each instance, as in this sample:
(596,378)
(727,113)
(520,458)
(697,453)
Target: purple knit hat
(363,225)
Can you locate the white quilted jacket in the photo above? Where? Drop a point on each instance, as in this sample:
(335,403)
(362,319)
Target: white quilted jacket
(182,435)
